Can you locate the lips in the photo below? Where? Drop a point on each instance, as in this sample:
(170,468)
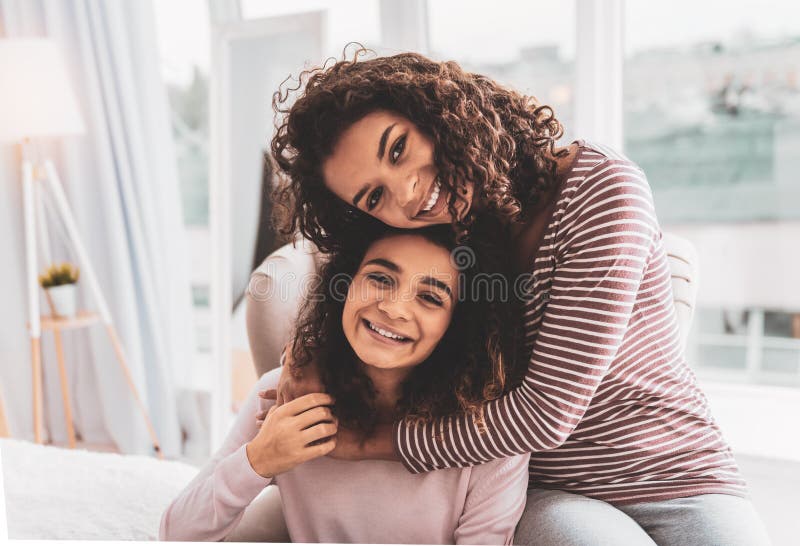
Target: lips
(438,205)
(384,334)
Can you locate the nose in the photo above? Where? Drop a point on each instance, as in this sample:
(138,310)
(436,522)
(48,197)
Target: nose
(394,306)
(406,190)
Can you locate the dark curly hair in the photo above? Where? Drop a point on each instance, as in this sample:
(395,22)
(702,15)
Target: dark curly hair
(473,362)
(497,138)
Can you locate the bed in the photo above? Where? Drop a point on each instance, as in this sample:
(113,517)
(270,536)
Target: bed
(56,493)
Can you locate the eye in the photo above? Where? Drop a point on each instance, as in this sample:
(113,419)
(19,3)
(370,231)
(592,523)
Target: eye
(397,149)
(380,279)
(374,198)
(432,298)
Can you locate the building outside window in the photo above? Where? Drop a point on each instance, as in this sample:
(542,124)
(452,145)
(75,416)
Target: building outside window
(534,53)
(712,114)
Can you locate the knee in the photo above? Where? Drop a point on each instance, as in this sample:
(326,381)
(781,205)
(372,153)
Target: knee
(550,518)
(559,518)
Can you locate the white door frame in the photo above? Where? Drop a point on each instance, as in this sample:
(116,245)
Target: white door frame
(220,299)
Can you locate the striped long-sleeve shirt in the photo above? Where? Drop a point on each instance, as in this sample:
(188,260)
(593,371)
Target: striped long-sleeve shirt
(609,407)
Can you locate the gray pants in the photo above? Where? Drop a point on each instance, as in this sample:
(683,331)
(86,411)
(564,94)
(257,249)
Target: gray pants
(556,518)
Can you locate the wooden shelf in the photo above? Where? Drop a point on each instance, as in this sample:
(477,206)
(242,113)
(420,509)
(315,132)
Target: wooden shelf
(99,448)
(81,320)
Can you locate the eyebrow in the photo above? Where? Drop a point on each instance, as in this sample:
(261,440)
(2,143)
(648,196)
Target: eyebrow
(385,263)
(384,138)
(381,150)
(359,194)
(430,281)
(437,283)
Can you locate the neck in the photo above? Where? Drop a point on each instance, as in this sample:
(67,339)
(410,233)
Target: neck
(563,165)
(565,162)
(527,236)
(388,388)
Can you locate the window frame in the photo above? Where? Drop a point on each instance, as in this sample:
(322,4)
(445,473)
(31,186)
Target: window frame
(598,102)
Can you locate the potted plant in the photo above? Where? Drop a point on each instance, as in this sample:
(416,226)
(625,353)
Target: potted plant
(59,287)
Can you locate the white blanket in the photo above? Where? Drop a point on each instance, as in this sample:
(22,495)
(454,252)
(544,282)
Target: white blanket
(55,493)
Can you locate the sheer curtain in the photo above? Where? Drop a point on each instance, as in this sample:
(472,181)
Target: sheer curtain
(121,181)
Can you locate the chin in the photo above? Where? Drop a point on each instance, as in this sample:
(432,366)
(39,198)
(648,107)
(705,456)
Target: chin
(377,359)
(383,362)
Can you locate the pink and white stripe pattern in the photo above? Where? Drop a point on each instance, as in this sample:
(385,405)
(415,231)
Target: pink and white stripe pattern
(609,407)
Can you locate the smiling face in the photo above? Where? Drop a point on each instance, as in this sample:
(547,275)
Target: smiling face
(383,165)
(400,302)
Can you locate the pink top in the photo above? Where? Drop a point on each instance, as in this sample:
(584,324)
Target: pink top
(328,500)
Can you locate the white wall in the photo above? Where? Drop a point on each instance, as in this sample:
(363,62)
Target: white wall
(755,264)
(753,418)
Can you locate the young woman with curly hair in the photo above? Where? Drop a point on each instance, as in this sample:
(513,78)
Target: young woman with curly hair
(395,331)
(623,447)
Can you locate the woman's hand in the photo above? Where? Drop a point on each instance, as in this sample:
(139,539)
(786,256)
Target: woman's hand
(295,383)
(351,445)
(293,433)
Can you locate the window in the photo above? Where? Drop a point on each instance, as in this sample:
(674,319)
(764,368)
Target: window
(712,115)
(347,20)
(747,345)
(712,111)
(534,53)
(183,35)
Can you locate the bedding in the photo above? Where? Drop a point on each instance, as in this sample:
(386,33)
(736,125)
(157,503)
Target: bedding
(57,493)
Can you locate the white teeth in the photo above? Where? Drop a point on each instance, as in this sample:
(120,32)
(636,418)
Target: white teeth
(385,333)
(434,196)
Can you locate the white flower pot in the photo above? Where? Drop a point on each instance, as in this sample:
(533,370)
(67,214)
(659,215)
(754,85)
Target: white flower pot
(63,300)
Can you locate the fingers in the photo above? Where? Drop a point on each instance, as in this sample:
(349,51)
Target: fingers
(272,394)
(318,432)
(269,394)
(261,415)
(305,403)
(313,416)
(324,448)
(317,449)
(284,383)
(280,396)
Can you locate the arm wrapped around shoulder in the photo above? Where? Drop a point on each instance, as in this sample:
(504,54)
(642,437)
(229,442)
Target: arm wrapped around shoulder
(605,242)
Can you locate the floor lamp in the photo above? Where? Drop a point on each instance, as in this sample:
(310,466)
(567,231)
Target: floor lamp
(36,100)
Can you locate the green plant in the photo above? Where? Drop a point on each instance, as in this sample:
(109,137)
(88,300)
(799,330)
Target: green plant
(57,275)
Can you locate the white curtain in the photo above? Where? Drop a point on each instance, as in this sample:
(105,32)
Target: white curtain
(121,181)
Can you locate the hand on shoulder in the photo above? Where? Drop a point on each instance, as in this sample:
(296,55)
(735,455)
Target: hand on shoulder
(293,433)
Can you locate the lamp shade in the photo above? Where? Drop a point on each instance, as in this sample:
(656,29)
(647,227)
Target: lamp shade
(36,98)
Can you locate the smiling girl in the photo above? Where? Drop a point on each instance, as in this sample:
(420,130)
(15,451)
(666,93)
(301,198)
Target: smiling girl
(393,335)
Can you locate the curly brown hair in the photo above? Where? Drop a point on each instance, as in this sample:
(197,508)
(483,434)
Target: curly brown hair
(473,362)
(499,139)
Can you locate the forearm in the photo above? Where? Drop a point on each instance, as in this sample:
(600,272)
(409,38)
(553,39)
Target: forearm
(210,507)
(609,235)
